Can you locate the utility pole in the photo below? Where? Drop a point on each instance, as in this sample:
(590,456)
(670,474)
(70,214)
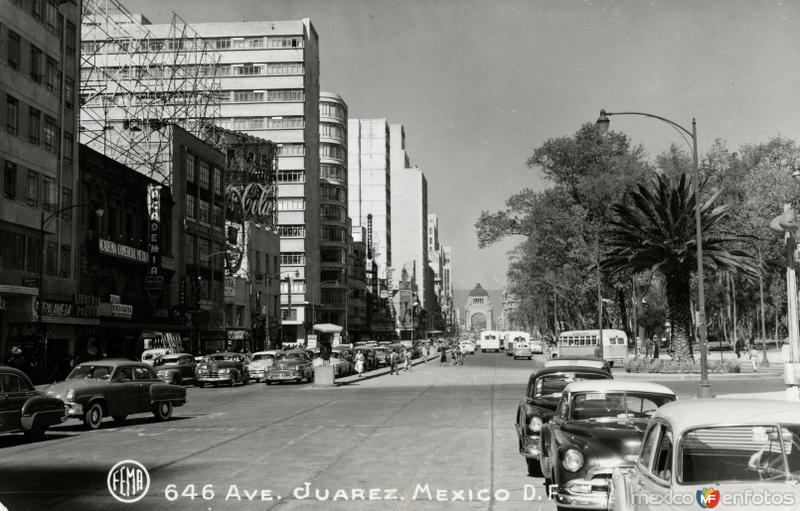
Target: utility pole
(599,291)
(764,359)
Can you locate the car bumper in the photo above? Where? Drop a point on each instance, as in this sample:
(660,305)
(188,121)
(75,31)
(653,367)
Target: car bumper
(595,499)
(165,379)
(529,447)
(258,376)
(283,376)
(213,379)
(74,409)
(46,418)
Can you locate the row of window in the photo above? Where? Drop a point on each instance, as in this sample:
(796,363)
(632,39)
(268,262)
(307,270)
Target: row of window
(202,251)
(21,252)
(35,189)
(292,231)
(333,192)
(260,123)
(332,131)
(46,11)
(238,43)
(189,71)
(334,233)
(41,129)
(291,204)
(292,150)
(203,212)
(261,96)
(333,213)
(291,176)
(332,110)
(328,171)
(293,258)
(204,174)
(335,151)
(262,69)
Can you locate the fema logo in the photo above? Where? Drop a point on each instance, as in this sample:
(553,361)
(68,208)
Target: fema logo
(128,481)
(708,498)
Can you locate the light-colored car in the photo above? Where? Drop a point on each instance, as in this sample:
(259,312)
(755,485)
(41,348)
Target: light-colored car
(176,368)
(260,363)
(467,347)
(703,451)
(597,427)
(537,345)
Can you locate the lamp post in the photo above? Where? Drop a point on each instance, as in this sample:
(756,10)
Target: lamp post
(414,306)
(43,223)
(787,225)
(704,388)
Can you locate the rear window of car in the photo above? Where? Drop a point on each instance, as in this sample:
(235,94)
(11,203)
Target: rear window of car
(264,357)
(551,386)
(12,383)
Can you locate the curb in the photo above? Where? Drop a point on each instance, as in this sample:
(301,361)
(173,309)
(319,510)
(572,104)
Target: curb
(694,376)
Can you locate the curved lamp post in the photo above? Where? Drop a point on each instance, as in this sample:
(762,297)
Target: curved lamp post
(704,388)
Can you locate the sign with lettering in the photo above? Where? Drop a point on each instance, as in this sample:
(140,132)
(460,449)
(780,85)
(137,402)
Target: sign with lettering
(153,280)
(230,287)
(115,310)
(369,236)
(253,202)
(123,251)
(54,309)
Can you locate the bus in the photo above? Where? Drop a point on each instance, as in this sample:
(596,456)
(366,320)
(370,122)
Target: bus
(583,343)
(490,340)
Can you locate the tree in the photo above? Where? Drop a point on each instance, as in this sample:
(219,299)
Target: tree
(654,229)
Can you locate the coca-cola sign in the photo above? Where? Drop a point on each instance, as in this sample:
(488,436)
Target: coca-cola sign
(254,202)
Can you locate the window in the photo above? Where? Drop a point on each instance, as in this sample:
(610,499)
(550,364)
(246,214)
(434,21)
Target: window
(203,249)
(36,64)
(291,176)
(11,383)
(52,75)
(12,114)
(248,123)
(191,248)
(69,91)
(298,287)
(333,255)
(285,122)
(33,188)
(286,95)
(257,42)
(247,70)
(293,258)
(291,204)
(332,151)
(219,221)
(331,131)
(247,96)
(328,171)
(10,180)
(285,68)
(52,15)
(204,212)
(292,231)
(50,261)
(191,206)
(204,179)
(50,133)
(331,110)
(34,125)
(66,201)
(334,213)
(49,196)
(14,46)
(36,10)
(69,44)
(285,42)
(217,180)
(292,150)
(662,467)
(223,44)
(66,257)
(69,146)
(189,163)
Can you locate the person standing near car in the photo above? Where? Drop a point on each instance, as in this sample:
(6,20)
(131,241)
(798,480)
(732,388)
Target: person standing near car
(656,342)
(360,363)
(442,356)
(393,362)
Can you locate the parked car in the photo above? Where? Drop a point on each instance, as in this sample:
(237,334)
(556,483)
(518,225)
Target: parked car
(24,409)
(293,365)
(347,366)
(537,345)
(467,346)
(537,408)
(260,363)
(598,363)
(176,368)
(382,355)
(597,427)
(227,367)
(738,447)
(116,388)
(149,356)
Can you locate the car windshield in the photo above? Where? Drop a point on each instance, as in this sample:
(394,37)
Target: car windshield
(166,360)
(551,386)
(217,358)
(89,372)
(290,356)
(263,356)
(740,453)
(616,405)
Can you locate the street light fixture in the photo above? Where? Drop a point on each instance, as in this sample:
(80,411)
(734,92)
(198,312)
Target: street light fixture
(603,122)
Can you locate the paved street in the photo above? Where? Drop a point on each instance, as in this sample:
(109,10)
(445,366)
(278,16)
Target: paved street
(450,428)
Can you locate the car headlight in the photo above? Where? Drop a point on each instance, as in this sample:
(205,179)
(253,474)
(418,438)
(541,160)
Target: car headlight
(202,367)
(70,395)
(535,424)
(224,371)
(572,461)
(162,374)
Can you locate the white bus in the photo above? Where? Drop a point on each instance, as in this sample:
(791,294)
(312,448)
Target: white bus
(583,343)
(490,340)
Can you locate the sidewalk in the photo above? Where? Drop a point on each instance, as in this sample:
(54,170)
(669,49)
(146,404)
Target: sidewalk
(379,371)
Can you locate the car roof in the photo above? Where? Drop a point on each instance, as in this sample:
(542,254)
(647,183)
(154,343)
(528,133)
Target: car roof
(693,413)
(176,355)
(268,352)
(568,369)
(617,386)
(113,362)
(12,370)
(225,353)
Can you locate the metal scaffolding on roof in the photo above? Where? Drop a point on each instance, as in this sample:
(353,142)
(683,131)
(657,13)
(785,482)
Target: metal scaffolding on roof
(137,79)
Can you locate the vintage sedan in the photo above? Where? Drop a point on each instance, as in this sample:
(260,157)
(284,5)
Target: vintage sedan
(228,368)
(116,388)
(293,365)
(597,427)
(24,409)
(176,368)
(541,398)
(382,355)
(703,452)
(344,364)
(260,363)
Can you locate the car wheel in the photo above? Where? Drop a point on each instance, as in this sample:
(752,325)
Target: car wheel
(93,416)
(163,410)
(119,420)
(36,433)
(534,469)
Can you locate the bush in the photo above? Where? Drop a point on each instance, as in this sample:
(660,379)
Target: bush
(665,366)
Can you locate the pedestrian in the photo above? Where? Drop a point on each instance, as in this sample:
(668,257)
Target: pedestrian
(454,358)
(359,363)
(393,362)
(407,357)
(656,342)
(442,356)
(649,348)
(424,354)
(754,357)
(737,348)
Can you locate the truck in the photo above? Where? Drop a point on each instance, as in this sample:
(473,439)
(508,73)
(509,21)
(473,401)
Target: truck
(490,341)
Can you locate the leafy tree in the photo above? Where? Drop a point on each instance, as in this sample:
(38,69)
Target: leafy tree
(654,229)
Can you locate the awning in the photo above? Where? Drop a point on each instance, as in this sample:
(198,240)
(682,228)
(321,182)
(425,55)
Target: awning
(327,328)
(291,322)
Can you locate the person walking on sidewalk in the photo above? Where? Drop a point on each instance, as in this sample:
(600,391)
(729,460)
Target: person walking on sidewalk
(424,351)
(442,356)
(393,362)
(754,357)
(407,358)
(359,363)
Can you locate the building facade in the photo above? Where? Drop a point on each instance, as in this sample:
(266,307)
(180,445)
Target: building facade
(478,312)
(39,58)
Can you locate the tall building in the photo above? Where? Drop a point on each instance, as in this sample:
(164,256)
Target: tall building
(369,187)
(447,303)
(266,79)
(39,59)
(334,226)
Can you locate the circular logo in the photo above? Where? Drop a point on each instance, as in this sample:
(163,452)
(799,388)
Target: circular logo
(128,481)
(708,498)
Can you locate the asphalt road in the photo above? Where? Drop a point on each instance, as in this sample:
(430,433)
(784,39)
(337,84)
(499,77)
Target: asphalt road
(435,438)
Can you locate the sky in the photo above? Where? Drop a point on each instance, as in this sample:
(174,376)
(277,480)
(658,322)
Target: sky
(480,84)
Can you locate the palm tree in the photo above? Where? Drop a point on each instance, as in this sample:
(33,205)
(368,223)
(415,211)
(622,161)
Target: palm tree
(653,228)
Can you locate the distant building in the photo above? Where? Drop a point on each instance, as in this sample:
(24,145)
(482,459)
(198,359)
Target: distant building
(478,312)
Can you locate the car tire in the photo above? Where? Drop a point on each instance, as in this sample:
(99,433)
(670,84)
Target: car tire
(93,416)
(163,410)
(36,433)
(534,469)
(119,420)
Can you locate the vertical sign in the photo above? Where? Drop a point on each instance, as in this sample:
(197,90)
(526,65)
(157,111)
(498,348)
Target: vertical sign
(154,280)
(369,236)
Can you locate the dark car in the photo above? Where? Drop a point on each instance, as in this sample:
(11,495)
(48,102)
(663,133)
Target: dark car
(293,365)
(541,399)
(24,409)
(596,429)
(116,388)
(229,368)
(176,368)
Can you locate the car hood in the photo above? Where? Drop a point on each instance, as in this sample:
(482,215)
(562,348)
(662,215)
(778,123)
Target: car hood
(260,364)
(59,389)
(613,439)
(221,364)
(288,364)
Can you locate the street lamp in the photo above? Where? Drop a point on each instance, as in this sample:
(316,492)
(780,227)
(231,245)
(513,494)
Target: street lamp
(603,122)
(43,223)
(414,316)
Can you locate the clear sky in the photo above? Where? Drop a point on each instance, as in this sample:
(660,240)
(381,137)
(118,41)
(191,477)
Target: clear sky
(479,84)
